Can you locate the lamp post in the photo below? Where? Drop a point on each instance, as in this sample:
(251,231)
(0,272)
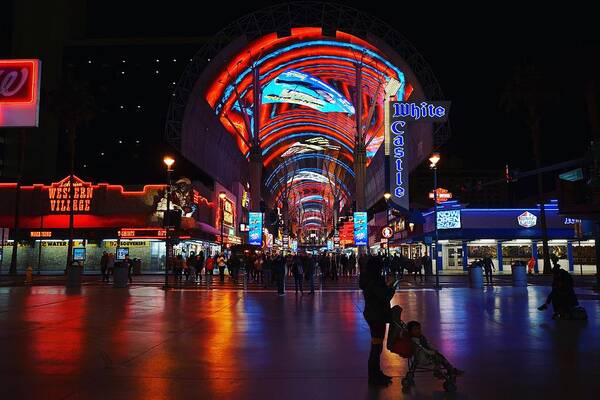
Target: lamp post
(434,159)
(387,196)
(222,196)
(169,161)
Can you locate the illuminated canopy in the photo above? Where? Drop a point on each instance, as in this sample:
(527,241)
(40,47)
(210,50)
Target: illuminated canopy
(305,56)
(307,122)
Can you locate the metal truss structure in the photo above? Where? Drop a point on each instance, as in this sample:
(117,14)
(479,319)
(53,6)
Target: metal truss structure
(281,19)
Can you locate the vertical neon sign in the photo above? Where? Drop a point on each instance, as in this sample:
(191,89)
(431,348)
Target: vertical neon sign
(255,232)
(361,235)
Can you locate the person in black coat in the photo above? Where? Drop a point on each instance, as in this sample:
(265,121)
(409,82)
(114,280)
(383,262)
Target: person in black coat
(378,292)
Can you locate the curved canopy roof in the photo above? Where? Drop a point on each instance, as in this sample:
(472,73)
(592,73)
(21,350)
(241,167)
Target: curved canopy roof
(307,115)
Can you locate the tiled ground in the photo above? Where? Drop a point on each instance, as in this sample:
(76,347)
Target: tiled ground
(140,343)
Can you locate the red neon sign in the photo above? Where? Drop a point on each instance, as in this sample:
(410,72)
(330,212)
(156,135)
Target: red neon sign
(19,93)
(18,81)
(443,195)
(59,195)
(142,233)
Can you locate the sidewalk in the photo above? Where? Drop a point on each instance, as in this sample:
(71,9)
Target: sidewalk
(342,284)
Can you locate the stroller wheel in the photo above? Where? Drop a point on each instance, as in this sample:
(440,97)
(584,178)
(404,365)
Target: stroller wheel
(449,386)
(407,382)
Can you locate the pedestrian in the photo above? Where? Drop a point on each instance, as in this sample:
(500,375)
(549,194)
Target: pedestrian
(221,263)
(104,266)
(427,265)
(298,272)
(127,263)
(178,267)
(488,267)
(531,265)
(110,264)
(209,267)
(562,297)
(267,271)
(309,273)
(258,268)
(199,265)
(378,292)
(280,273)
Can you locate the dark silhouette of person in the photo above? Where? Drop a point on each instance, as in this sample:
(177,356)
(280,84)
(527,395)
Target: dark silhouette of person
(378,292)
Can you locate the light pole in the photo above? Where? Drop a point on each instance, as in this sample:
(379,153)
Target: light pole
(169,161)
(434,159)
(222,196)
(387,196)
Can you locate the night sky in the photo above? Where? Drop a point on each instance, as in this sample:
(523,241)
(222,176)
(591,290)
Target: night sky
(473,52)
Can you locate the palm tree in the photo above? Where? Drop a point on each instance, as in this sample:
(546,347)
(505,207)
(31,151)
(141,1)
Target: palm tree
(529,93)
(73,103)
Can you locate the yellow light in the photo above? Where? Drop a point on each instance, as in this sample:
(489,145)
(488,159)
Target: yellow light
(222,195)
(434,159)
(169,161)
(387,195)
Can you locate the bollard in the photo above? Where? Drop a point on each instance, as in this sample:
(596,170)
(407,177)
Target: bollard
(28,275)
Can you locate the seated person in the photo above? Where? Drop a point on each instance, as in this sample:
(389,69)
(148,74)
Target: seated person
(426,354)
(562,296)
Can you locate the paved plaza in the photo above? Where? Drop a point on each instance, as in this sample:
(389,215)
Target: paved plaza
(141,343)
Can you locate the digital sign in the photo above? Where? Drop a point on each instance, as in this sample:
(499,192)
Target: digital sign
(121,252)
(298,87)
(142,233)
(448,219)
(79,254)
(19,93)
(40,234)
(255,232)
(361,235)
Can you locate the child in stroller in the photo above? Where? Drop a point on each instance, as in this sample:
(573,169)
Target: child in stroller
(408,341)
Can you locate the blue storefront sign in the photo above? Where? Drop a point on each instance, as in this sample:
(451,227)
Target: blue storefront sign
(255,232)
(361,234)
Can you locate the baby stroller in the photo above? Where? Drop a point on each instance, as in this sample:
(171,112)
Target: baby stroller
(400,342)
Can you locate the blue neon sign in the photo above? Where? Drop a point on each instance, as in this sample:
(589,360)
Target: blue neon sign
(255,232)
(361,234)
(435,111)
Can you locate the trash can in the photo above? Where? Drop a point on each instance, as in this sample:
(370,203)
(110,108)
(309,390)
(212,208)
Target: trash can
(519,275)
(121,276)
(137,266)
(74,275)
(475,277)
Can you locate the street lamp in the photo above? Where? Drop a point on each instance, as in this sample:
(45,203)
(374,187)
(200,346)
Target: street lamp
(434,159)
(169,161)
(387,196)
(222,197)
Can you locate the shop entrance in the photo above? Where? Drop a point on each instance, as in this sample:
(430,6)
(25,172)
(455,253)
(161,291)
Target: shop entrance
(452,257)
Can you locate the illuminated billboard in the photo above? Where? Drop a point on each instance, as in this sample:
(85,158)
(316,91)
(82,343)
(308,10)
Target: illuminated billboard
(298,87)
(448,219)
(19,93)
(255,232)
(361,235)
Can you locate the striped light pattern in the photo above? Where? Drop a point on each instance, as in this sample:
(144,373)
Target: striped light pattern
(317,146)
